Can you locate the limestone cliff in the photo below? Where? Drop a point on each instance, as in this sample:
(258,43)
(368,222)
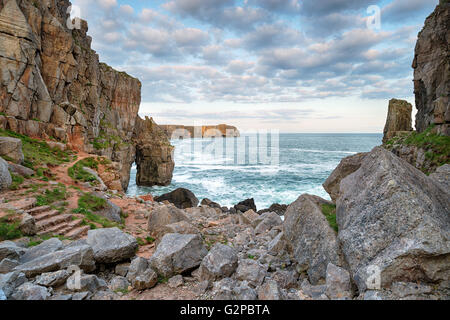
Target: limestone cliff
(52,84)
(221,130)
(398,119)
(432,71)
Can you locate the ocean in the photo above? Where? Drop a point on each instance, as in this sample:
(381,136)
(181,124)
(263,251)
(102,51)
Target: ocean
(269,168)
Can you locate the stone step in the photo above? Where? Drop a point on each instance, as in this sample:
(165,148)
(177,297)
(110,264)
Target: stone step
(35,211)
(53,230)
(71,225)
(22,204)
(77,232)
(46,215)
(53,221)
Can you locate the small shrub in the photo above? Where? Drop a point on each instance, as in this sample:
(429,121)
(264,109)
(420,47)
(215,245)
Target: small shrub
(9,230)
(329,210)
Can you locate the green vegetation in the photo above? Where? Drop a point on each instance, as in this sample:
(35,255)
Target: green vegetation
(87,205)
(251,257)
(38,153)
(329,211)
(37,241)
(9,230)
(50,196)
(16,181)
(162,279)
(143,242)
(77,172)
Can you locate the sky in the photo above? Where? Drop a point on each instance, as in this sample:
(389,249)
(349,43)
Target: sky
(287,65)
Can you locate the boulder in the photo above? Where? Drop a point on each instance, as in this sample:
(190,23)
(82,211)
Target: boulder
(310,239)
(7,265)
(30,291)
(77,255)
(145,280)
(181,198)
(394,223)
(5,176)
(269,220)
(249,217)
(279,209)
(230,289)
(9,249)
(28,225)
(20,170)
(176,281)
(11,148)
(209,203)
(251,271)
(52,279)
(178,253)
(163,215)
(85,282)
(220,262)
(48,246)
(119,283)
(182,227)
(122,269)
(10,281)
(398,119)
(248,204)
(346,166)
(277,244)
(338,283)
(111,245)
(270,291)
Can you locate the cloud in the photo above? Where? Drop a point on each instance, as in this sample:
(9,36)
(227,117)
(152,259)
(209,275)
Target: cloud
(405,10)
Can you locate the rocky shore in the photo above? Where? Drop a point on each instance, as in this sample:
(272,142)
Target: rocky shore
(68,232)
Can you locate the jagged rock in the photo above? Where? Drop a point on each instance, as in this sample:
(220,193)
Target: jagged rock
(269,220)
(286,279)
(316,292)
(442,175)
(111,245)
(338,283)
(270,291)
(230,289)
(347,166)
(209,203)
(52,279)
(181,198)
(10,281)
(78,255)
(46,247)
(119,283)
(9,249)
(398,119)
(28,225)
(251,271)
(7,265)
(250,217)
(105,295)
(178,253)
(248,204)
(122,269)
(310,239)
(182,227)
(140,275)
(11,148)
(432,72)
(393,223)
(20,170)
(154,154)
(176,281)
(2,295)
(277,245)
(220,262)
(85,282)
(30,291)
(279,209)
(161,216)
(5,176)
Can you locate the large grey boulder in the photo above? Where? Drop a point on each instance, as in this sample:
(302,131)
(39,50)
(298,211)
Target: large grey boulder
(251,271)
(30,291)
(181,198)
(338,283)
(231,289)
(7,265)
(140,275)
(111,245)
(12,149)
(270,290)
(52,279)
(78,255)
(10,281)
(442,175)
(310,239)
(5,176)
(394,223)
(347,166)
(20,170)
(220,262)
(9,249)
(162,216)
(46,247)
(80,282)
(269,220)
(178,253)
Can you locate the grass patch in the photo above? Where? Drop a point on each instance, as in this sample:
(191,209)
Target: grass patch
(329,211)
(9,230)
(16,181)
(50,196)
(37,153)
(87,205)
(77,172)
(36,242)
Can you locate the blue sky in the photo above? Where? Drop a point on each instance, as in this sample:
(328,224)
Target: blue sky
(291,65)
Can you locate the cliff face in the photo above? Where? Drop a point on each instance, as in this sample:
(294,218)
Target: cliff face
(432,71)
(221,130)
(398,119)
(53,86)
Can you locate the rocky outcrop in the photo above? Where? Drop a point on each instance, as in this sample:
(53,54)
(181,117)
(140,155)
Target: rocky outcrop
(186,132)
(398,119)
(11,149)
(394,223)
(154,154)
(181,198)
(432,71)
(53,85)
